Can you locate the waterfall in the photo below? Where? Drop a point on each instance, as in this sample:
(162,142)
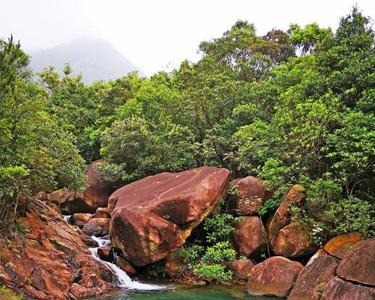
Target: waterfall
(124,280)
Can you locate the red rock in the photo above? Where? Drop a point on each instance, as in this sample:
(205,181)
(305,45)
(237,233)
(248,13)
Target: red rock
(70,202)
(343,290)
(289,241)
(97,227)
(249,236)
(125,265)
(339,245)
(46,261)
(102,212)
(251,193)
(242,268)
(293,241)
(105,253)
(358,264)
(313,278)
(173,264)
(89,241)
(80,219)
(274,276)
(98,188)
(153,217)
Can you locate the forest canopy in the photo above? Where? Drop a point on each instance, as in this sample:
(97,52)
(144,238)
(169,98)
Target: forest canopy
(288,107)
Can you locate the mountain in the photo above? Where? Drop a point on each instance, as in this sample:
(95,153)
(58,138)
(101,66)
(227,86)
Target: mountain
(96,59)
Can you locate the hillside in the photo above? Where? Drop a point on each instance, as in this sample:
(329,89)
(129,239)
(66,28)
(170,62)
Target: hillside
(96,59)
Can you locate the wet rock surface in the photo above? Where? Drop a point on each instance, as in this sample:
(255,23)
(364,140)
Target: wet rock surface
(50,260)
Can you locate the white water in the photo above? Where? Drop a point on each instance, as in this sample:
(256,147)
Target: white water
(67,217)
(123,279)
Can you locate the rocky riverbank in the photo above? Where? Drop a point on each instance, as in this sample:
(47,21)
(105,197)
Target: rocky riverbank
(151,221)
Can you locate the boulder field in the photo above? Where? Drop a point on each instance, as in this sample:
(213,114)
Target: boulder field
(150,219)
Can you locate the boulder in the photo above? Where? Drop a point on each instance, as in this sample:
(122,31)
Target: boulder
(241,268)
(50,258)
(343,290)
(80,219)
(274,276)
(152,217)
(89,241)
(98,188)
(313,278)
(70,202)
(105,253)
(251,194)
(173,264)
(102,212)
(125,265)
(293,241)
(97,227)
(339,245)
(249,236)
(358,263)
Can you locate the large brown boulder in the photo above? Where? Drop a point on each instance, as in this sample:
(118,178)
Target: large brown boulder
(249,236)
(98,188)
(293,241)
(153,217)
(358,264)
(286,238)
(274,276)
(241,268)
(50,261)
(251,193)
(339,245)
(343,290)
(313,278)
(69,201)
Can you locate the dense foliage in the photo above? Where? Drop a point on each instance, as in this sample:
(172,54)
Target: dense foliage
(295,106)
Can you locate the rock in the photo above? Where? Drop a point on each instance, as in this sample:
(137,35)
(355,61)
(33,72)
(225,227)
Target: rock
(173,264)
(339,245)
(46,261)
(105,253)
(241,268)
(41,196)
(152,217)
(102,212)
(249,236)
(313,278)
(80,219)
(358,264)
(251,193)
(70,202)
(89,241)
(289,240)
(125,265)
(293,241)
(97,227)
(343,290)
(98,188)
(274,276)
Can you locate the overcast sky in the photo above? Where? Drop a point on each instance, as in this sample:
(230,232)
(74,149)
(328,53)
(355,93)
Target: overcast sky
(158,34)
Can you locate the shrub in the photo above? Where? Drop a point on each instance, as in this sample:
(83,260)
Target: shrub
(214,272)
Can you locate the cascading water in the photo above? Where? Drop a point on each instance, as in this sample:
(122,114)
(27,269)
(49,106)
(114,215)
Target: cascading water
(124,280)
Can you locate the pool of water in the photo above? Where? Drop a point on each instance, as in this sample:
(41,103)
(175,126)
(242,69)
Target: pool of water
(195,293)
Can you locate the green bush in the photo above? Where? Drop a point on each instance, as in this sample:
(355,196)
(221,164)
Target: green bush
(221,252)
(214,272)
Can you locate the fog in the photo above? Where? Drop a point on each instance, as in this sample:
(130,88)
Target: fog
(158,35)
